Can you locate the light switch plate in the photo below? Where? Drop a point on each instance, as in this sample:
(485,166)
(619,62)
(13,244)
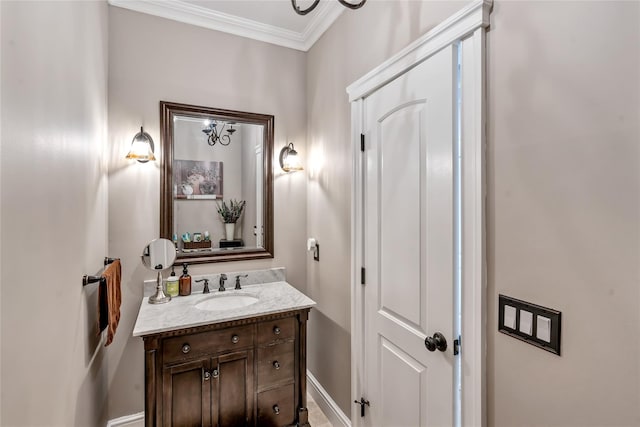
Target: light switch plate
(534,324)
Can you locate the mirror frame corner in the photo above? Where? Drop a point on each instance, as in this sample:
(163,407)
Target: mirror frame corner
(167,112)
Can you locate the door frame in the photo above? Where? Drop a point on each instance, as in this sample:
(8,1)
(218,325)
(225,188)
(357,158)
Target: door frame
(468,28)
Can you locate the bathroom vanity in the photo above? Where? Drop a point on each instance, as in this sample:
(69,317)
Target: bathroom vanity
(232,358)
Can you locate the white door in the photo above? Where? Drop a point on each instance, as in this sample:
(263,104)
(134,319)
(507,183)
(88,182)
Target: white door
(408,248)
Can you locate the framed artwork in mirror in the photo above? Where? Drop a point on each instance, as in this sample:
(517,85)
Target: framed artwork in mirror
(213,158)
(195,179)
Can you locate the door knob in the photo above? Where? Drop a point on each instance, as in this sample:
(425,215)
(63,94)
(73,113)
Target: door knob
(437,341)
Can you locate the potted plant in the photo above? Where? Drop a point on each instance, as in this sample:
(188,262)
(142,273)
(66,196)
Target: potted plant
(230,214)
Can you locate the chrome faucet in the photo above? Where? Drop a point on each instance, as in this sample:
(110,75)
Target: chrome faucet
(223,277)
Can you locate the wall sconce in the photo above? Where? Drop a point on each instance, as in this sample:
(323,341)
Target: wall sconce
(289,159)
(142,147)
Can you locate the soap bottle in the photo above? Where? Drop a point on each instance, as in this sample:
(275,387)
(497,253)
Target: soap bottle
(172,286)
(185,281)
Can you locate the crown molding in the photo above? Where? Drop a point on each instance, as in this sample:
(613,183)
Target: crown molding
(178,10)
(324,16)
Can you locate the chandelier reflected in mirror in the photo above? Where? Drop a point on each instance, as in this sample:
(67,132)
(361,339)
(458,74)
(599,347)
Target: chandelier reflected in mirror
(316,2)
(215,132)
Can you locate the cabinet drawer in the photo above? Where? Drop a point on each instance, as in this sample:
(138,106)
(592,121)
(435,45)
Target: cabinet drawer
(276,330)
(276,407)
(275,364)
(207,343)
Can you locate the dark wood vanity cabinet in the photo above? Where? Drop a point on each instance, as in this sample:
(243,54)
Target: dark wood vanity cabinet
(249,372)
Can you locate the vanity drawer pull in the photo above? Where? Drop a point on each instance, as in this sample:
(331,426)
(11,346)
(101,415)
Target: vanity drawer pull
(235,339)
(276,330)
(276,410)
(186,348)
(276,364)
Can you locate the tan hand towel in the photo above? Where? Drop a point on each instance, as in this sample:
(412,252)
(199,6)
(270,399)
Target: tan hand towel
(112,296)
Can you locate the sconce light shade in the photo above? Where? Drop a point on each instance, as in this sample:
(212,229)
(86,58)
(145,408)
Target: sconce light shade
(289,159)
(142,147)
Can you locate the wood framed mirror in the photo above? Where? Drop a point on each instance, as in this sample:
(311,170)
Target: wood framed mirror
(212,156)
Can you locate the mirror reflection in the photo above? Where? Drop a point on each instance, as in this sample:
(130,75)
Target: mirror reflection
(212,171)
(216,200)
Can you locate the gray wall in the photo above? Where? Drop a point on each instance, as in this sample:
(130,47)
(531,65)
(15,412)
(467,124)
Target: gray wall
(563,205)
(564,208)
(53,206)
(153,59)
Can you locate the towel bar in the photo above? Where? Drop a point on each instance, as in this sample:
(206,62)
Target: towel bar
(94,279)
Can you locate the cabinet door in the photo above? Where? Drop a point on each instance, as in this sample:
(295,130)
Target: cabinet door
(233,393)
(187,394)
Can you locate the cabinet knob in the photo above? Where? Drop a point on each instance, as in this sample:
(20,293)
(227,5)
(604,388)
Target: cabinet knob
(276,409)
(186,348)
(276,330)
(207,375)
(276,364)
(235,339)
(215,373)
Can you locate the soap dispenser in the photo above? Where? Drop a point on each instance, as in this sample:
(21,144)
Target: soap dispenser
(185,281)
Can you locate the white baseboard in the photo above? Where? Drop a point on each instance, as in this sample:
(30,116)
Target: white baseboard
(133,420)
(319,394)
(326,403)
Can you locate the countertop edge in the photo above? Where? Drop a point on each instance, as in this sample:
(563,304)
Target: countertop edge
(215,322)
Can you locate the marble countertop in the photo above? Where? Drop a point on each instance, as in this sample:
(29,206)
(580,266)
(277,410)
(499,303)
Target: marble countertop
(180,312)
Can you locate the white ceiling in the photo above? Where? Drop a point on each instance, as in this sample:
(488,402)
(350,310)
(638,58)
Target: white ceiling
(271,21)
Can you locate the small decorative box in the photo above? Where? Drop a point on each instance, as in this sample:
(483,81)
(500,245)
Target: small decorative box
(237,243)
(197,245)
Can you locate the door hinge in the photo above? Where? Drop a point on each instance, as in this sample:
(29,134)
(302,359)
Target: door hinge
(362,276)
(456,345)
(362,142)
(362,402)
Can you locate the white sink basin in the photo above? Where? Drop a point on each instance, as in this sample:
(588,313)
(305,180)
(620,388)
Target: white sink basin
(226,302)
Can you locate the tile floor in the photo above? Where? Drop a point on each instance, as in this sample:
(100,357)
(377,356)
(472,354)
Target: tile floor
(316,416)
